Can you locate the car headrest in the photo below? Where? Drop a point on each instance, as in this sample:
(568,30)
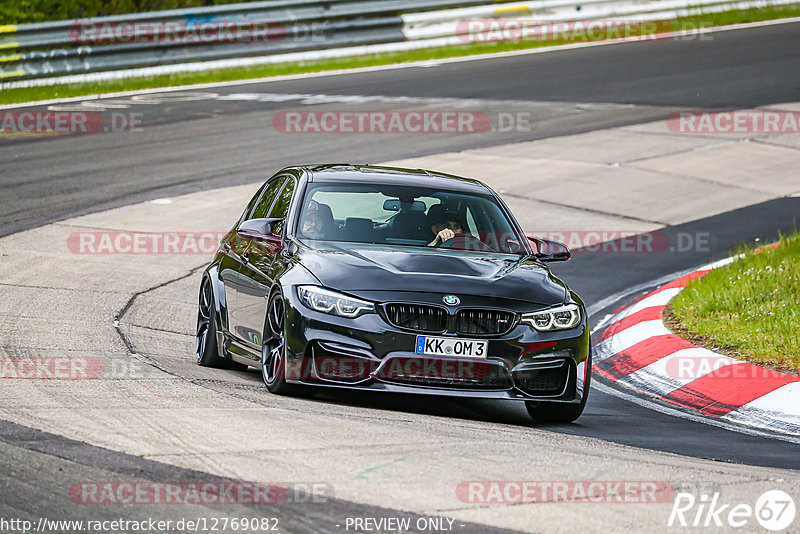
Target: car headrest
(434,212)
(359,230)
(325,212)
(410,225)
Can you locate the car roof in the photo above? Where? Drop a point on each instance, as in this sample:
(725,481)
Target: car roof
(376,174)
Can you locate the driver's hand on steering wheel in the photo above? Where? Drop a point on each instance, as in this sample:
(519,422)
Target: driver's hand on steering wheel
(442,236)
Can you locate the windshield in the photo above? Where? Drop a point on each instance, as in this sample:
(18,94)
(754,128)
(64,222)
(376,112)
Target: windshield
(406,215)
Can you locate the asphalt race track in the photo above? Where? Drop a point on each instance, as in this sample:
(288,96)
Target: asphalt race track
(210,142)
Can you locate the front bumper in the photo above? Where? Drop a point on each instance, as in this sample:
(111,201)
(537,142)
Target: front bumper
(368,353)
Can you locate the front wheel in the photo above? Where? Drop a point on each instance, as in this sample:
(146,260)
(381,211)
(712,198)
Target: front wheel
(273,349)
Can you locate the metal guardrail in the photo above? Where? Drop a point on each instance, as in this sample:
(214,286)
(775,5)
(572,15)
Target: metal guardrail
(225,31)
(283,31)
(448,23)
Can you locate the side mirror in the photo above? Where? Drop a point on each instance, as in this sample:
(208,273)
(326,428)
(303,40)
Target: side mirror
(549,250)
(257,228)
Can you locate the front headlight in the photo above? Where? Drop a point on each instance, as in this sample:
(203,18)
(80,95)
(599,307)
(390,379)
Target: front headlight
(560,318)
(327,301)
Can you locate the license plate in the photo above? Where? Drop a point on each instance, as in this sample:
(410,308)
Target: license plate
(448,346)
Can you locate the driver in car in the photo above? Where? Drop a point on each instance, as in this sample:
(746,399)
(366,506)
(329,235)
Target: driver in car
(313,225)
(446,227)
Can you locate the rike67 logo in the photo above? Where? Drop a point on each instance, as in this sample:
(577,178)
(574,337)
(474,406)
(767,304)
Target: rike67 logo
(774,510)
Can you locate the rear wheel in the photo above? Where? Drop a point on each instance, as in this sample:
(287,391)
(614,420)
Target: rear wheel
(559,412)
(206,349)
(273,349)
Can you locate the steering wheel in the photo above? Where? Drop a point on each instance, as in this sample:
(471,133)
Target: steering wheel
(465,242)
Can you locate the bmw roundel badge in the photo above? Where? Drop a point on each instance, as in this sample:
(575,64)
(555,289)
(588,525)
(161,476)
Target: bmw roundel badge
(451,300)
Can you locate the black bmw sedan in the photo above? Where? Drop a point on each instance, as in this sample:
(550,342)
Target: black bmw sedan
(399,280)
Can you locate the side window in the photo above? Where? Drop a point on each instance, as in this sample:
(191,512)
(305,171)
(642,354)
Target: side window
(252,204)
(281,207)
(267,198)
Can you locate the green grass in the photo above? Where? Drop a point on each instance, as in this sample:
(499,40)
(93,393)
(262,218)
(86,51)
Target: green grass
(748,308)
(27,11)
(9,96)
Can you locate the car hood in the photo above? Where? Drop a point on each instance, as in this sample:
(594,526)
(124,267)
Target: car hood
(357,267)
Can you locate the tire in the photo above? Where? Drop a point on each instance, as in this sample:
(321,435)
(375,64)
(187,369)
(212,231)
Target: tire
(273,350)
(559,412)
(206,349)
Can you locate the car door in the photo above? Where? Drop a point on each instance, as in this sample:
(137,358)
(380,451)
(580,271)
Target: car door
(237,249)
(232,247)
(261,268)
